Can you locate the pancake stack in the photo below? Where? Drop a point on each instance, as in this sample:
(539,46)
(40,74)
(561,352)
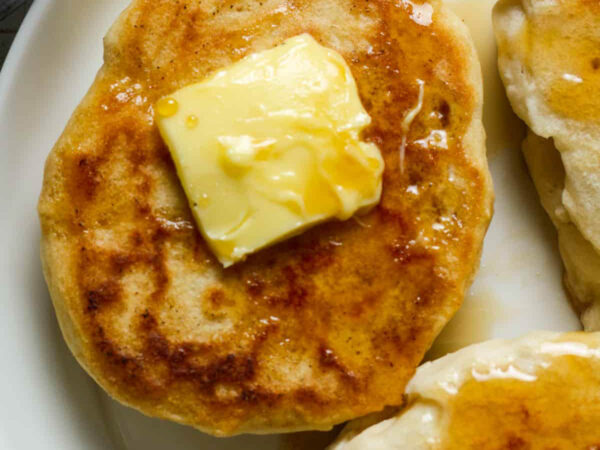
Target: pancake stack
(550,64)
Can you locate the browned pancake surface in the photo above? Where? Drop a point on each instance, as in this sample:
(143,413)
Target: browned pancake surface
(321,328)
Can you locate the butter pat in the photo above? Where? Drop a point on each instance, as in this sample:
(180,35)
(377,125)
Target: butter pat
(270,146)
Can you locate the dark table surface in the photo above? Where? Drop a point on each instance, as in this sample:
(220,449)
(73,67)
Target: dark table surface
(9,27)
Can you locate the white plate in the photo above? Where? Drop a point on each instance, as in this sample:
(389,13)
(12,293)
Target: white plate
(49,402)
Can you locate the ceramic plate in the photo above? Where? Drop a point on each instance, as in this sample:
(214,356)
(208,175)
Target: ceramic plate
(49,402)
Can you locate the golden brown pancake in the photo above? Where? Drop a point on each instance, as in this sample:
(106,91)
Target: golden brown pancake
(539,392)
(316,330)
(549,60)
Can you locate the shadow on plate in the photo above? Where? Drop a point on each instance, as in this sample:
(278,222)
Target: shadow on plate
(134,430)
(71,387)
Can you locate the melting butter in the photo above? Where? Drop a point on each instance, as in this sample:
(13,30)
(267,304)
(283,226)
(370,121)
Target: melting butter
(167,107)
(270,146)
(408,119)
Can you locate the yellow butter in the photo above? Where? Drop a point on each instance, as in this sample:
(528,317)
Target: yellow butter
(270,146)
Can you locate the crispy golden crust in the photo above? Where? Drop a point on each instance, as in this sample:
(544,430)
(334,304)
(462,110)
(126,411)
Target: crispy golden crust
(324,327)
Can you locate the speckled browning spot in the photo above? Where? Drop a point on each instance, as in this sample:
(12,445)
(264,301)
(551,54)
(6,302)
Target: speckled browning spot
(85,176)
(101,295)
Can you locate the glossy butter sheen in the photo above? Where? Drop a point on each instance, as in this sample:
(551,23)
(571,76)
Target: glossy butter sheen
(270,146)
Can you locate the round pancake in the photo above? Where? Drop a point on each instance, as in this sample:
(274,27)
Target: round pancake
(316,330)
(541,391)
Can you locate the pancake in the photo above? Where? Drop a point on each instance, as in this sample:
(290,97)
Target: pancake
(581,260)
(313,331)
(541,391)
(550,64)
